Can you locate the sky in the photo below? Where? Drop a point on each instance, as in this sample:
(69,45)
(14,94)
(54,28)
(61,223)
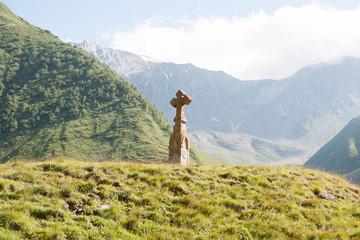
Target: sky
(257,39)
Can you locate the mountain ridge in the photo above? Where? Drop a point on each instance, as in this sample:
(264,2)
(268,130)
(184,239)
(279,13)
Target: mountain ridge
(306,109)
(341,154)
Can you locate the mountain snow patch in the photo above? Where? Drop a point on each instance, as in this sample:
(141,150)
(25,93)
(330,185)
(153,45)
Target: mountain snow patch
(149,59)
(167,77)
(214,119)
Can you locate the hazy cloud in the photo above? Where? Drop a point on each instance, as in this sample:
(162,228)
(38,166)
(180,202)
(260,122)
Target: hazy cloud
(258,46)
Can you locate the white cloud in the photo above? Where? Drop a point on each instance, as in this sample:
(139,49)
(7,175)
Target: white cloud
(255,47)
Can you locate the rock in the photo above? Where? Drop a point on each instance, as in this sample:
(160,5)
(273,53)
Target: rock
(105,206)
(327,195)
(93,195)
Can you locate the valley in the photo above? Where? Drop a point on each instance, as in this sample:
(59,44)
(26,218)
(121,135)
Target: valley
(301,112)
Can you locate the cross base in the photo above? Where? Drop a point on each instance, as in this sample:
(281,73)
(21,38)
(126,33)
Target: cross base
(179,147)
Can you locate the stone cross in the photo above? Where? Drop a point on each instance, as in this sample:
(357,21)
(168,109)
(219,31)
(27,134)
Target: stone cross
(179,143)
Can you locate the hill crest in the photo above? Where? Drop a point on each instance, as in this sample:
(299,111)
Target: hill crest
(82,200)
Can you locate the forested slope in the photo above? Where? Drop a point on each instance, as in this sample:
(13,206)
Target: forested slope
(57,100)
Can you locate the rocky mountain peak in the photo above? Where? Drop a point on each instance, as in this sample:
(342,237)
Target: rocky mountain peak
(124,63)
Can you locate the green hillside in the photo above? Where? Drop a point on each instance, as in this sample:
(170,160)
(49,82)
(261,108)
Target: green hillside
(354,176)
(57,100)
(342,153)
(65,199)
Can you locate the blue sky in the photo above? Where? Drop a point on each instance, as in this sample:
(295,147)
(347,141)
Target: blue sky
(248,39)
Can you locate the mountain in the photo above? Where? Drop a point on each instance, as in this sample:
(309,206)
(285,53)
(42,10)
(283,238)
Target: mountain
(57,100)
(341,154)
(354,176)
(236,148)
(66,199)
(305,110)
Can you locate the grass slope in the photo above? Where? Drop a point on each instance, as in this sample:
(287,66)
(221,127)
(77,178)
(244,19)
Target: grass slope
(342,153)
(63,199)
(57,100)
(354,176)
(238,148)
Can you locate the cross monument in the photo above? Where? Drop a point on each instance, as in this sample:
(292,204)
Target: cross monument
(179,146)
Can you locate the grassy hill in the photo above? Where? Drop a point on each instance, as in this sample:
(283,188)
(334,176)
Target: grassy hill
(63,199)
(57,100)
(354,176)
(341,154)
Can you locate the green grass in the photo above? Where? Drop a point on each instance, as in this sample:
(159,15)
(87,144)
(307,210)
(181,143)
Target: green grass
(230,158)
(200,157)
(65,199)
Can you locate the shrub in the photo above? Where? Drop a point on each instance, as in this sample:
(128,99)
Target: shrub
(12,220)
(231,204)
(43,191)
(126,196)
(22,176)
(151,171)
(225,175)
(85,187)
(46,167)
(65,193)
(98,221)
(295,216)
(47,214)
(310,203)
(175,188)
(355,236)
(131,224)
(184,201)
(316,191)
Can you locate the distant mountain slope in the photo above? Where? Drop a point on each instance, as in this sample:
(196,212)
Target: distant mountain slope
(58,100)
(288,108)
(237,148)
(354,176)
(306,109)
(123,63)
(342,153)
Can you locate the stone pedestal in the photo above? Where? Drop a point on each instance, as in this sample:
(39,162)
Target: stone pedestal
(179,146)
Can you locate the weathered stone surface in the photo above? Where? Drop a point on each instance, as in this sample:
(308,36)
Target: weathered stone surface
(105,206)
(327,195)
(179,146)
